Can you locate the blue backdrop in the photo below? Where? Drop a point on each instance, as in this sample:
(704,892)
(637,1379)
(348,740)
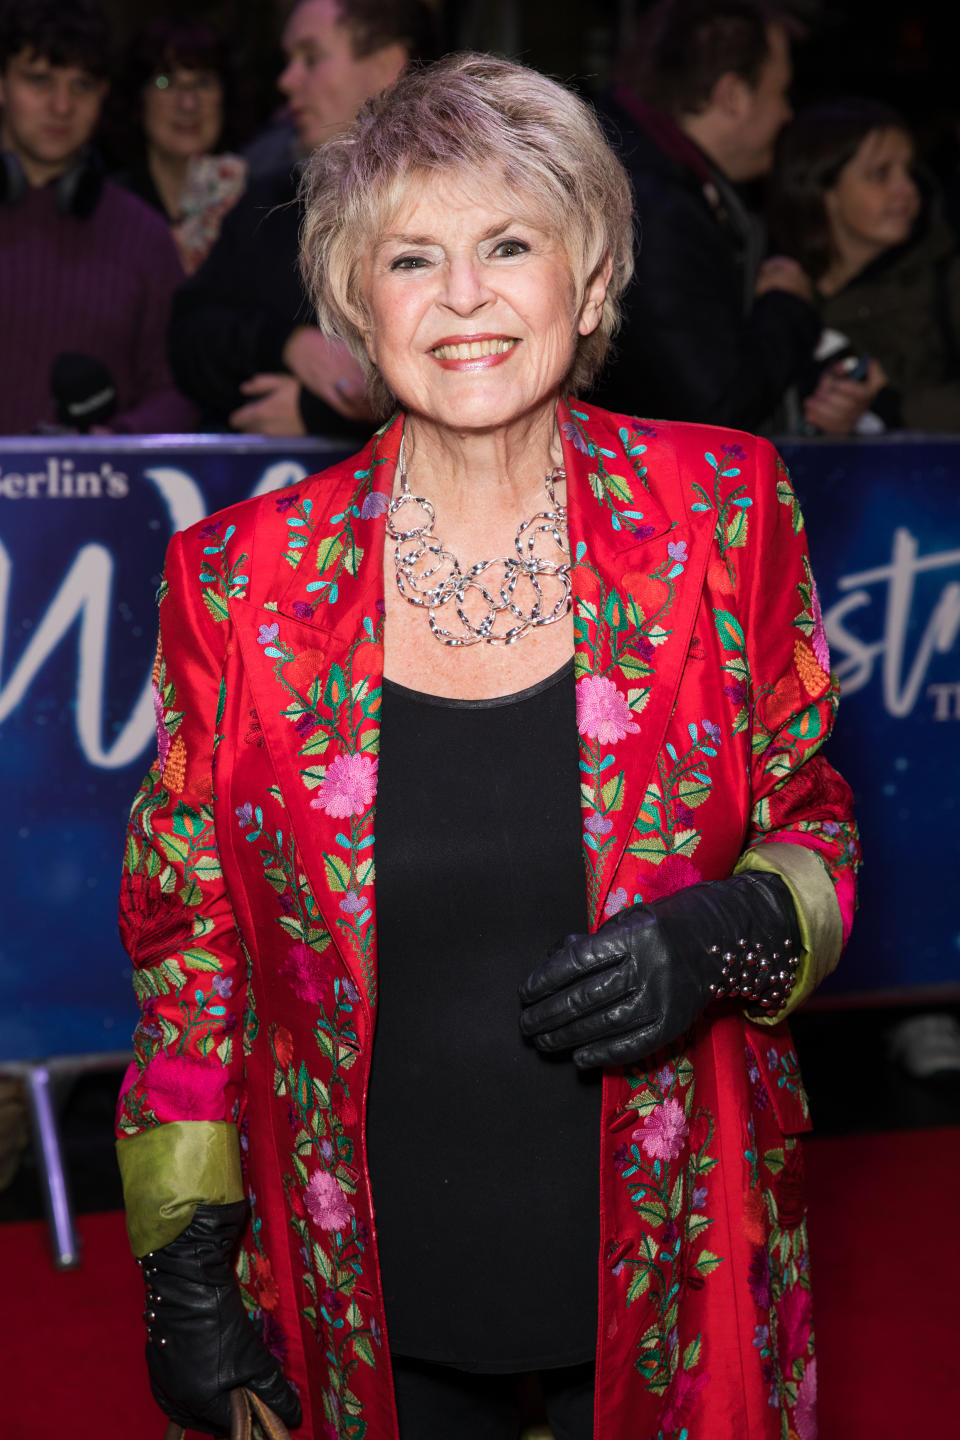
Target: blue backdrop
(83,529)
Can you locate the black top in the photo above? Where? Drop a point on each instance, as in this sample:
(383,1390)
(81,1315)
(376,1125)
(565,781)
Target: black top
(484,1154)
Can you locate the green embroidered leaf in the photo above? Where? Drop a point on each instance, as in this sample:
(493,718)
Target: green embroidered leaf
(158,979)
(321,1093)
(774,1160)
(632,667)
(216,605)
(653,1211)
(190,894)
(596,485)
(292,927)
(207,868)
(637,700)
(364,1350)
(225,1050)
(736,534)
(175,847)
(729,630)
(321,1263)
(199,959)
(316,744)
(638,1285)
(581,666)
(676,1197)
(365,874)
(684,842)
(370,743)
(353,556)
(612,794)
(617,486)
(707,1262)
(313,776)
(202,925)
(692,1353)
(336,689)
(328,552)
(694,789)
(338,873)
(649,847)
(685,1071)
(695,1226)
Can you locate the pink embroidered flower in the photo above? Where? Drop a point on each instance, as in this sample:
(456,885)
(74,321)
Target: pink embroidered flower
(348,787)
(306,972)
(805,1410)
(329,1207)
(615,901)
(664,1131)
(675,872)
(819,640)
(679,1400)
(178,1088)
(794,1323)
(602,711)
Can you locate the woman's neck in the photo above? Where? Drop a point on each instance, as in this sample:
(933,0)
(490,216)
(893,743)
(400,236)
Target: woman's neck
(847,263)
(501,468)
(169,175)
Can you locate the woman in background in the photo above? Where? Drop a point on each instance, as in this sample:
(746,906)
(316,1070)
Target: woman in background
(178,73)
(847,204)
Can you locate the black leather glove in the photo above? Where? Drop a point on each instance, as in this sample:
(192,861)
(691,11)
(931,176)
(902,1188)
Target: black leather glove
(201,1344)
(647,974)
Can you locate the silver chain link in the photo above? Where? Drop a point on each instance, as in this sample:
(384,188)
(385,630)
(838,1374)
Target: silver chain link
(430,575)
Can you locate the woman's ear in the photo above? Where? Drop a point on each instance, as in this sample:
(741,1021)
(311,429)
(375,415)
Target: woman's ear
(591,310)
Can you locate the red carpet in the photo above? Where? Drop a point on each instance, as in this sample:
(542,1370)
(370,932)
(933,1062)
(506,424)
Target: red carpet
(886,1260)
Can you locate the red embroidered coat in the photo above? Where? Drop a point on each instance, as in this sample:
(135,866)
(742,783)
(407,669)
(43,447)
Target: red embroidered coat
(249,906)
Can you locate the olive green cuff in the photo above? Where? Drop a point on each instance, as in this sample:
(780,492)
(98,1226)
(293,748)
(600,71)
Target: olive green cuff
(818,913)
(170,1170)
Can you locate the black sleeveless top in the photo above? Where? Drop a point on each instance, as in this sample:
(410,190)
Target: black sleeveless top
(484,1154)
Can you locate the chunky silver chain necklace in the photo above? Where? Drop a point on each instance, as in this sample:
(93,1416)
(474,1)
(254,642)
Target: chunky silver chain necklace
(430,575)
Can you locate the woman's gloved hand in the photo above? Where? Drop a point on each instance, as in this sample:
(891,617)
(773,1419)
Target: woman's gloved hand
(648,973)
(201,1344)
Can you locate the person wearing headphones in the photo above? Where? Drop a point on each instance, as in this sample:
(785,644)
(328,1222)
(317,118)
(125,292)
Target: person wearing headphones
(88,270)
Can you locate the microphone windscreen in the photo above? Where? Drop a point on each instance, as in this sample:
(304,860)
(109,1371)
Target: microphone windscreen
(83,389)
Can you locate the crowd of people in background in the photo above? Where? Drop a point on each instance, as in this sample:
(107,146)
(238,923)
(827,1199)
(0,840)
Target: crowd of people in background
(795,273)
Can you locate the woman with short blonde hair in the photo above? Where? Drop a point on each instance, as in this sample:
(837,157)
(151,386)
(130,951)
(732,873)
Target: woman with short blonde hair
(520,670)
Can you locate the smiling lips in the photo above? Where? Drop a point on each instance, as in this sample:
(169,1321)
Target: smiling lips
(473,352)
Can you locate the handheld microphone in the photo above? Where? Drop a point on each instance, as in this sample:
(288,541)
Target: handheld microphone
(84,391)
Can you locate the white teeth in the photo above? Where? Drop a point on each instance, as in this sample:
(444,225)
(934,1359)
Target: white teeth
(473,349)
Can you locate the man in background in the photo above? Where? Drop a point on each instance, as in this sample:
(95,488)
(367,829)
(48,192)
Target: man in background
(87,271)
(242,340)
(713,332)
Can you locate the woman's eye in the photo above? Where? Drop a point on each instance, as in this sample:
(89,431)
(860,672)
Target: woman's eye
(408,262)
(507,249)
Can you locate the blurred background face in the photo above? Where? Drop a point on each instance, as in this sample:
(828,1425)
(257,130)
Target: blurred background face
(875,200)
(767,110)
(183,111)
(324,81)
(49,112)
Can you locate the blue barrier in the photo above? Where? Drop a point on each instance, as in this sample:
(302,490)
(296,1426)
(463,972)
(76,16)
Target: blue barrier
(83,528)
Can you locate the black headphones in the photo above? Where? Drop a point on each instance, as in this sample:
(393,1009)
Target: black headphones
(78,188)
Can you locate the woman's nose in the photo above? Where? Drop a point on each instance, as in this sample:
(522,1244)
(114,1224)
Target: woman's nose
(465,289)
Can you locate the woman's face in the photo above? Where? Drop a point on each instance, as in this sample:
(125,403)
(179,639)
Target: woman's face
(473,307)
(874,202)
(183,111)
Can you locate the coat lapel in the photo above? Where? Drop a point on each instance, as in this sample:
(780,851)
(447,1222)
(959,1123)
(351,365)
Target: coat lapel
(314,659)
(640,557)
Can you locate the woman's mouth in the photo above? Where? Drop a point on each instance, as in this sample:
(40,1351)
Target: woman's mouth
(473,349)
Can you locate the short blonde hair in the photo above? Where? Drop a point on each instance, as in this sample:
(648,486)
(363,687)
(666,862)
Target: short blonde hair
(468,115)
